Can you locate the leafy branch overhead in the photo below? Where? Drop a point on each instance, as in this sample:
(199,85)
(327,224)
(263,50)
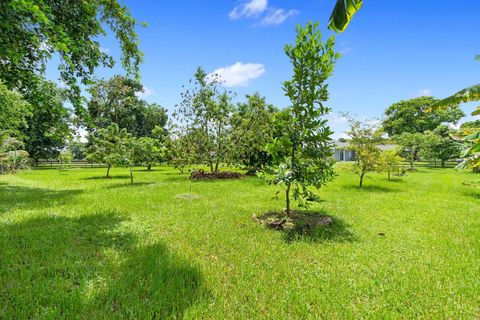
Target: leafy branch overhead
(33,31)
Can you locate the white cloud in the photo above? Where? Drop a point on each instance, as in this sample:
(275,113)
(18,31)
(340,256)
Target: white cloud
(277,16)
(147,92)
(238,74)
(262,12)
(423,93)
(248,9)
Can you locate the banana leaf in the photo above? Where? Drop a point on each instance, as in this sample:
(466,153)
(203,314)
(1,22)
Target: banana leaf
(466,95)
(343,13)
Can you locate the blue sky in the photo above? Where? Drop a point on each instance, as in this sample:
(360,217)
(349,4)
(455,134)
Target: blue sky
(392,50)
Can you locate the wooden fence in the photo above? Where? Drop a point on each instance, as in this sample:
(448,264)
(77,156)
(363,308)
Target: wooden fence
(74,164)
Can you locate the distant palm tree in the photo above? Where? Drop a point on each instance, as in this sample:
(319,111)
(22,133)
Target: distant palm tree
(343,13)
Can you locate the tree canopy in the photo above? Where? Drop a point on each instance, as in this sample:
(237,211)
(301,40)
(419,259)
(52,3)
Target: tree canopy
(14,111)
(35,30)
(116,101)
(414,115)
(48,126)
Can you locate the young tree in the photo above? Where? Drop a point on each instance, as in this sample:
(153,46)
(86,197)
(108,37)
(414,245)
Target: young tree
(12,155)
(364,140)
(204,114)
(439,145)
(303,150)
(411,144)
(78,149)
(65,157)
(108,146)
(147,152)
(252,129)
(389,162)
(429,148)
(447,148)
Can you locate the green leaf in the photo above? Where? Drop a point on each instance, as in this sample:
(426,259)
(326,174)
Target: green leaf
(466,95)
(343,13)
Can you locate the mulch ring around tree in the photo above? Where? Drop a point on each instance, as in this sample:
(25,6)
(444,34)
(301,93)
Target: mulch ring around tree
(309,226)
(202,175)
(303,222)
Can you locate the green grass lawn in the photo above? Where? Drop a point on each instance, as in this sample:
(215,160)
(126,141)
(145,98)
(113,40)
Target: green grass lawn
(76,245)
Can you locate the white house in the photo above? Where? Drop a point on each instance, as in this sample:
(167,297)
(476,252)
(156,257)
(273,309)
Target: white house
(343,152)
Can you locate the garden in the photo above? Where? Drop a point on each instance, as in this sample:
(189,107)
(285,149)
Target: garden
(224,205)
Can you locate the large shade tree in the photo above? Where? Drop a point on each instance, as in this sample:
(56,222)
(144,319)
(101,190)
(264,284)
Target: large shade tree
(116,101)
(414,116)
(14,111)
(49,124)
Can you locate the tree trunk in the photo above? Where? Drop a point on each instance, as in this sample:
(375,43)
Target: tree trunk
(361,179)
(287,197)
(411,162)
(108,171)
(443,163)
(389,175)
(211,166)
(217,164)
(131,174)
(149,167)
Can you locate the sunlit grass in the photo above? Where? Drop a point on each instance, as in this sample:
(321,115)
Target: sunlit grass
(76,245)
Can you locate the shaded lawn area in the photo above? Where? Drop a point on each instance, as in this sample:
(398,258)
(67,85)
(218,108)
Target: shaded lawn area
(74,245)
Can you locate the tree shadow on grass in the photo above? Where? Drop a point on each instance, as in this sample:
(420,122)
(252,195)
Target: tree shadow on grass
(28,198)
(129,185)
(370,188)
(60,267)
(112,177)
(310,227)
(473,194)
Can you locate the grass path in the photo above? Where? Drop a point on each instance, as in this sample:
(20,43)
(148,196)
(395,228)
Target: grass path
(75,245)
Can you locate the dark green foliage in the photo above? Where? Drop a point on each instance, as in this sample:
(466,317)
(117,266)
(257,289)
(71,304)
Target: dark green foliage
(32,31)
(475,124)
(116,101)
(48,126)
(252,129)
(14,111)
(438,145)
